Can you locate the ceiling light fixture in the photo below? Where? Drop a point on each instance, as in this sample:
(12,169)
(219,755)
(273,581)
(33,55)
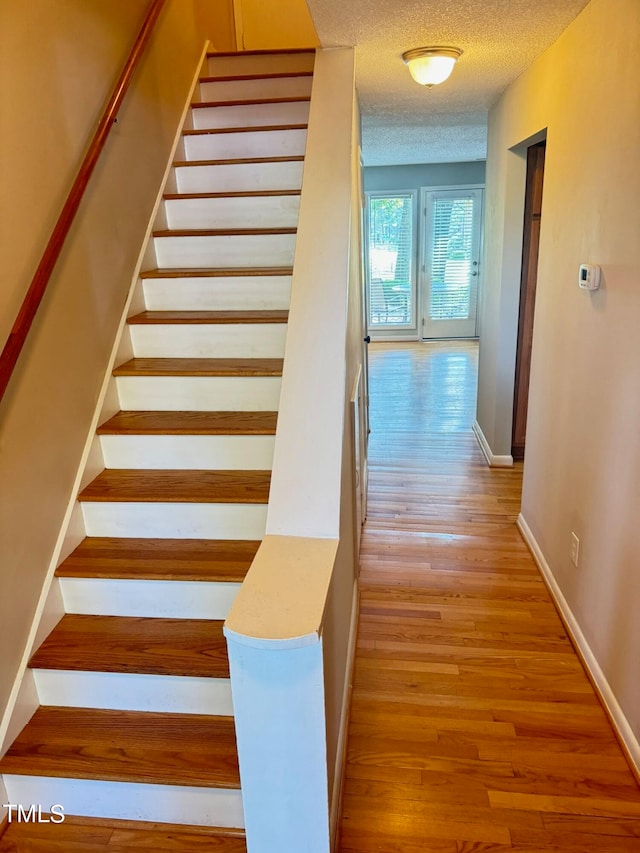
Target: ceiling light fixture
(431,65)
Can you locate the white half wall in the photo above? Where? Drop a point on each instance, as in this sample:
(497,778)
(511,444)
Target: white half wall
(289,631)
(305,486)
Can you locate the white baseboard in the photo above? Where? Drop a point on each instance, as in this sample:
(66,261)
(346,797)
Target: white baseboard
(616,715)
(492,460)
(341,747)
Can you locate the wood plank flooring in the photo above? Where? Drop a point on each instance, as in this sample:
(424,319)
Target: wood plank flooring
(190,423)
(127,746)
(82,835)
(182,486)
(193,648)
(473,726)
(200,367)
(150,318)
(160,559)
(215,273)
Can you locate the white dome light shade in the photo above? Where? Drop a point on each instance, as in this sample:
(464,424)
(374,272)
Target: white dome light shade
(431,65)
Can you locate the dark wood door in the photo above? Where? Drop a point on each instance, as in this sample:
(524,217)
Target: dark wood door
(528,280)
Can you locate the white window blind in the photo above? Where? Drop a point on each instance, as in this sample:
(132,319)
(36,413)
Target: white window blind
(391,260)
(451,257)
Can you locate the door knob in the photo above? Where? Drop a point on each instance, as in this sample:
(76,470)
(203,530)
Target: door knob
(367,340)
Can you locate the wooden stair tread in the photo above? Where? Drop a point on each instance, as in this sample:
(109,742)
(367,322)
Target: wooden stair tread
(178,486)
(223,232)
(134,644)
(105,835)
(247,102)
(214,54)
(200,367)
(266,75)
(221,560)
(150,318)
(190,423)
(245,194)
(225,272)
(263,128)
(126,746)
(235,161)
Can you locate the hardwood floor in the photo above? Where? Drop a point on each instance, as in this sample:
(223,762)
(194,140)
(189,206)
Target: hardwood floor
(473,725)
(128,746)
(83,835)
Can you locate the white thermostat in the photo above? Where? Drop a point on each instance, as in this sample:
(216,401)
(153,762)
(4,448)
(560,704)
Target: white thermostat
(589,276)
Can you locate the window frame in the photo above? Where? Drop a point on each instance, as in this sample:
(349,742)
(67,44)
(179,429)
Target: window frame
(409,329)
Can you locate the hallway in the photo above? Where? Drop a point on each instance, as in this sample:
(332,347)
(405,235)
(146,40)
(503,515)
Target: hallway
(473,725)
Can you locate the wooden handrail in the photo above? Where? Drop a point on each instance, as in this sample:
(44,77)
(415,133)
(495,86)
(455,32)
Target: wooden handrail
(38,286)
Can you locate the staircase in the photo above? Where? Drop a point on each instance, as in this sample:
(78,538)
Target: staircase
(136,718)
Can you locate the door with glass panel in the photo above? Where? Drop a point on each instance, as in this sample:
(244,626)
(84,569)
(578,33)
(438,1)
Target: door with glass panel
(391,261)
(450,262)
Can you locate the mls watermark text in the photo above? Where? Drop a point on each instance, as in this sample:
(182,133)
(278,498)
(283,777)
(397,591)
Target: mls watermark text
(34,813)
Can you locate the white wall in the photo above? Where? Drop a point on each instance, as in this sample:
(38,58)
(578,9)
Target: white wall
(582,465)
(341,612)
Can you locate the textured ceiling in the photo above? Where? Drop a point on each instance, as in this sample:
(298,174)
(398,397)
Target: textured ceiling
(403,122)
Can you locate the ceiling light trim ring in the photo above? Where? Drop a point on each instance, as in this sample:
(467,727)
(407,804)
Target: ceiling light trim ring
(420,52)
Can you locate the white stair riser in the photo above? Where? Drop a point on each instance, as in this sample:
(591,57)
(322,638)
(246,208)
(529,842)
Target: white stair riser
(235,293)
(153,599)
(130,800)
(251,115)
(267,87)
(189,452)
(268,63)
(235,146)
(233,251)
(221,340)
(199,393)
(175,520)
(239,177)
(233,212)
(117,691)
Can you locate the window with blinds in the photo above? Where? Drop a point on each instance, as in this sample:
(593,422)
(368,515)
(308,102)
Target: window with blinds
(451,258)
(391,249)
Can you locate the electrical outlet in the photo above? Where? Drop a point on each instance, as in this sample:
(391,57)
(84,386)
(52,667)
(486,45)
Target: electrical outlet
(574,549)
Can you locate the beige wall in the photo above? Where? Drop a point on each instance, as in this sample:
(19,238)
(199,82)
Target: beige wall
(582,466)
(215,21)
(58,62)
(277,24)
(57,65)
(339,608)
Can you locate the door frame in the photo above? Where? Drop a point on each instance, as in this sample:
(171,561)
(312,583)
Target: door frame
(364,426)
(534,192)
(422,251)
